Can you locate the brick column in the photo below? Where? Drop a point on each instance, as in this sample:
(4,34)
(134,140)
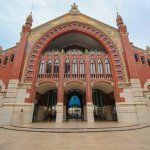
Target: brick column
(20,54)
(132,71)
(60,94)
(89,101)
(129,59)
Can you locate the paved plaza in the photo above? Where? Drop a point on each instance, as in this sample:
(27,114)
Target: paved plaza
(125,140)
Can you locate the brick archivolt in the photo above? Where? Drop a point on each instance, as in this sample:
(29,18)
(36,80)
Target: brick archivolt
(57,31)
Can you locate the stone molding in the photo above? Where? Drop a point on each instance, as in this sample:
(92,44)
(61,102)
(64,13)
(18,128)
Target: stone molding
(124,85)
(147,83)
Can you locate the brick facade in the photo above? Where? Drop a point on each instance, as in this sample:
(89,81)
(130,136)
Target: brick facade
(126,82)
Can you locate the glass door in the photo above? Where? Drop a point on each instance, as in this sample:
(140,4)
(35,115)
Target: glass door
(99,109)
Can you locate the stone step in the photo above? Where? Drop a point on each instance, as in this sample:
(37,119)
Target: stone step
(76,130)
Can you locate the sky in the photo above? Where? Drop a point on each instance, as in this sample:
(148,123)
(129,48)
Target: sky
(135,13)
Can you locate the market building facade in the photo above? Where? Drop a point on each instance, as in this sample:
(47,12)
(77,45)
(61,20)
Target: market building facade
(74,68)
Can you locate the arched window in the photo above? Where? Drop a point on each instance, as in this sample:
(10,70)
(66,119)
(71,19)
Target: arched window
(143,59)
(92,66)
(41,69)
(107,67)
(5,60)
(67,66)
(82,66)
(136,56)
(148,61)
(12,58)
(56,66)
(100,67)
(74,67)
(49,67)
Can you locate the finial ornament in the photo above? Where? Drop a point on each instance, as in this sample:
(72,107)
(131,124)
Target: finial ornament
(29,20)
(74,6)
(116,7)
(28,24)
(32,6)
(74,10)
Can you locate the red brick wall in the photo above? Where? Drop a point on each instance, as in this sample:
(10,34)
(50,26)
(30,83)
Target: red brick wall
(143,69)
(6,70)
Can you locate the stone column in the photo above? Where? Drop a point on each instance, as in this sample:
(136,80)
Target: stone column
(20,53)
(60,94)
(64,112)
(128,54)
(89,101)
(108,112)
(85,114)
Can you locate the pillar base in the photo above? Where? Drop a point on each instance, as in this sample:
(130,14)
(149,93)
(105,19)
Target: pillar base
(16,113)
(90,116)
(6,114)
(64,113)
(126,113)
(59,116)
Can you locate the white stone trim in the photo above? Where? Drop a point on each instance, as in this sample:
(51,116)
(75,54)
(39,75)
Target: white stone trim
(90,115)
(147,83)
(2,85)
(59,114)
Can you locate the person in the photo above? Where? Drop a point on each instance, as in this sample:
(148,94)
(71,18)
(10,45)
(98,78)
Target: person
(45,114)
(35,111)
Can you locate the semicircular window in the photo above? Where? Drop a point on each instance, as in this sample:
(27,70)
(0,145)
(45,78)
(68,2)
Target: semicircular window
(74,102)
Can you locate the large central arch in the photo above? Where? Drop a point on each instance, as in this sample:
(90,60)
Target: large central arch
(104,40)
(70,27)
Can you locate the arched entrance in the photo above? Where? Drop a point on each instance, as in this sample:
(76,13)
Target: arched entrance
(74,105)
(45,103)
(104,102)
(74,101)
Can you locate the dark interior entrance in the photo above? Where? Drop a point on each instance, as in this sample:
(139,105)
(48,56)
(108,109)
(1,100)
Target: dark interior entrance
(104,106)
(45,106)
(74,105)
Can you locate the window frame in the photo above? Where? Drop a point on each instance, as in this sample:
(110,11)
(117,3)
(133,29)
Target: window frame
(5,61)
(107,66)
(92,67)
(12,58)
(42,67)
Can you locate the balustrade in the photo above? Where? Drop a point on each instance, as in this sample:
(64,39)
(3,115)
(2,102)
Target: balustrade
(54,76)
(67,76)
(101,76)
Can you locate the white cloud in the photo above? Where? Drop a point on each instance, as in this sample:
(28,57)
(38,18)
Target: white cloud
(135,14)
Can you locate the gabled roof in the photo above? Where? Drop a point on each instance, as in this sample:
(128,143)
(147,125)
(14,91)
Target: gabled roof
(74,11)
(77,16)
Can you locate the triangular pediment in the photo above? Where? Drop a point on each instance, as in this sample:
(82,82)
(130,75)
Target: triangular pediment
(108,30)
